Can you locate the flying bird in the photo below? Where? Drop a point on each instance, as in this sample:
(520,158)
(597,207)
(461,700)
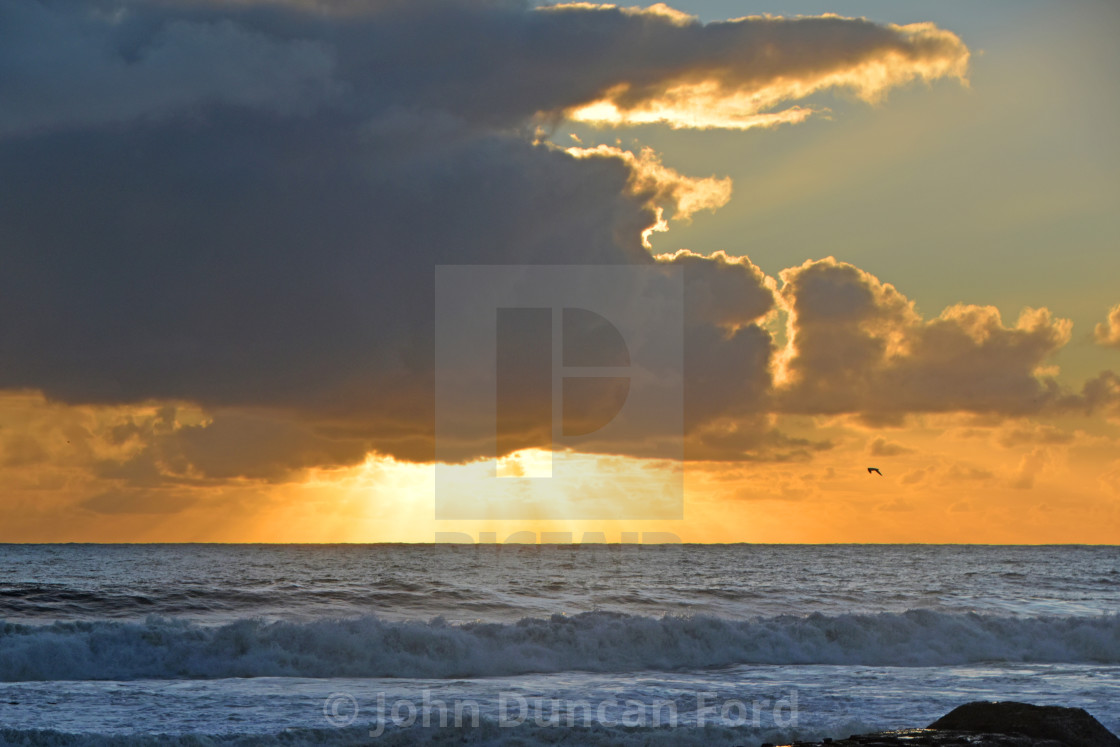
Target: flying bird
(875,470)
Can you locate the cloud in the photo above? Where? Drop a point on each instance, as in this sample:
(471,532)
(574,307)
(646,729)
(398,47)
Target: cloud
(80,64)
(857,344)
(773,483)
(914,477)
(749,439)
(734,74)
(159,446)
(963,471)
(1110,480)
(722,290)
(1102,392)
(1029,468)
(658,186)
(257,446)
(274,263)
(880,446)
(1029,433)
(20,450)
(256,196)
(137,502)
(727,351)
(1107,333)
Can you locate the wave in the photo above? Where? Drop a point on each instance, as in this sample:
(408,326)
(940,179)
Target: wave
(161,648)
(486,733)
(61,601)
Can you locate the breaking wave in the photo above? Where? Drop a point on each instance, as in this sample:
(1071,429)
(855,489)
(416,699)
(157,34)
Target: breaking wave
(162,648)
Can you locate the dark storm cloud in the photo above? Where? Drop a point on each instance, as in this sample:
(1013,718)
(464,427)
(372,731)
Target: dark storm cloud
(490,61)
(728,355)
(241,205)
(258,263)
(69,64)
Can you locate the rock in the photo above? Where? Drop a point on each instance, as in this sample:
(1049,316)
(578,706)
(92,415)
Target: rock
(1073,727)
(985,724)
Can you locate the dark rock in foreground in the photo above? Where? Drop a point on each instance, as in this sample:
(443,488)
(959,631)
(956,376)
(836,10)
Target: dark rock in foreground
(1069,726)
(985,724)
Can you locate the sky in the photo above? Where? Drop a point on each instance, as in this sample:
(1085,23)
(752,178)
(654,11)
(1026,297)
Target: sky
(893,225)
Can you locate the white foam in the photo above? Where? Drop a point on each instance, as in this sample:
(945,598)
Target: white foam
(595,641)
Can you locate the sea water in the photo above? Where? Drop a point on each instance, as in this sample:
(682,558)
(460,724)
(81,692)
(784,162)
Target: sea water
(542,644)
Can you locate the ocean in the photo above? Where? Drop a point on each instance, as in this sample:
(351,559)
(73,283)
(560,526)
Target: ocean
(541,644)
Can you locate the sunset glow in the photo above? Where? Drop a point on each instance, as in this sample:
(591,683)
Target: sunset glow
(894,227)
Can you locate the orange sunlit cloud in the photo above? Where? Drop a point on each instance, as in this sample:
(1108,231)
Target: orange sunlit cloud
(1108,333)
(741,92)
(663,186)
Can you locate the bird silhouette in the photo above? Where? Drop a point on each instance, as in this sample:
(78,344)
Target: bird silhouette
(875,470)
